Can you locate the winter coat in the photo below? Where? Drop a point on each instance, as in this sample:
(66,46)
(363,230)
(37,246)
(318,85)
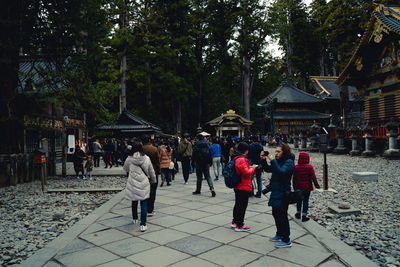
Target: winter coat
(96,147)
(185,149)
(165,157)
(140,171)
(202,153)
(215,150)
(304,175)
(152,152)
(243,168)
(282,171)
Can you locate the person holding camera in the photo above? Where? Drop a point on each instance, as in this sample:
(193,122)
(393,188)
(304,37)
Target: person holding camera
(282,168)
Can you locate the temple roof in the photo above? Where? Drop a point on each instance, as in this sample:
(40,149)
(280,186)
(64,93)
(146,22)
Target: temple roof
(300,115)
(287,93)
(229,118)
(129,122)
(385,20)
(326,87)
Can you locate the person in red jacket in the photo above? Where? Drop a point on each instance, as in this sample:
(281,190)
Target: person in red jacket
(244,188)
(303,178)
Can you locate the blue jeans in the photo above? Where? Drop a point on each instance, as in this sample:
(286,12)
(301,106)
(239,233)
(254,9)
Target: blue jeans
(143,211)
(306,197)
(282,222)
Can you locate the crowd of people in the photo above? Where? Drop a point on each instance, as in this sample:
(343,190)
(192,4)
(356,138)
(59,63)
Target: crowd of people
(145,160)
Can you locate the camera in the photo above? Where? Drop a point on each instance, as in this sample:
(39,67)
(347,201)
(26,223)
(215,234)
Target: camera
(266,153)
(267,189)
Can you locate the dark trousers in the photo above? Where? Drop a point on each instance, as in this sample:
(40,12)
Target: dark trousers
(200,170)
(306,197)
(143,211)
(152,199)
(96,160)
(185,168)
(239,210)
(282,222)
(166,175)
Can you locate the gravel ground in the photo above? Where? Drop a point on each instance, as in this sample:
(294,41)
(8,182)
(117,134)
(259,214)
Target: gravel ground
(31,219)
(376,232)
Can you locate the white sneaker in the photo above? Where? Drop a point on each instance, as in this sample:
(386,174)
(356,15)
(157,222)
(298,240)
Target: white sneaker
(135,221)
(77,177)
(143,228)
(84,178)
(151,214)
(186,183)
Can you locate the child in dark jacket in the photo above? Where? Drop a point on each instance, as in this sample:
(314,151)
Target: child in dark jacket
(303,178)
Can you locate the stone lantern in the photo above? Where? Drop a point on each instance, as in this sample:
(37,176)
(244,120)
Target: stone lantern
(315,137)
(199,129)
(354,138)
(340,148)
(331,128)
(368,142)
(303,139)
(296,139)
(392,132)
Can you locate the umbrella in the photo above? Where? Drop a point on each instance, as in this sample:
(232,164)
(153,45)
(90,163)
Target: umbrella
(205,134)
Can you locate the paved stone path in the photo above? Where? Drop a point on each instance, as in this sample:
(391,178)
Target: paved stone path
(191,231)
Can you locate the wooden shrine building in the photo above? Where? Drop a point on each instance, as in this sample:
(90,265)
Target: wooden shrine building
(326,89)
(374,68)
(293,109)
(130,125)
(230,123)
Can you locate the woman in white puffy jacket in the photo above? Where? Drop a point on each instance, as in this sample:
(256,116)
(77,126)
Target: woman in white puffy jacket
(140,175)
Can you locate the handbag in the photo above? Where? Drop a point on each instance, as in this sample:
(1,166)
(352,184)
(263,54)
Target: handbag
(171,165)
(293,196)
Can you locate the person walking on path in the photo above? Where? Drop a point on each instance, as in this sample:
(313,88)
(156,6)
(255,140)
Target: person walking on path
(225,147)
(108,150)
(89,167)
(79,156)
(141,175)
(254,158)
(244,188)
(185,151)
(202,160)
(216,154)
(165,161)
(282,168)
(96,152)
(152,152)
(303,179)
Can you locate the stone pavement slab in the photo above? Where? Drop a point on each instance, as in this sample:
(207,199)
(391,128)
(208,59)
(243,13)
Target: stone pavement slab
(230,256)
(193,245)
(158,257)
(191,231)
(129,246)
(86,257)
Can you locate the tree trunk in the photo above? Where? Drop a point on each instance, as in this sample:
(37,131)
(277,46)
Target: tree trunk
(123,82)
(289,62)
(322,62)
(178,126)
(200,99)
(148,96)
(246,86)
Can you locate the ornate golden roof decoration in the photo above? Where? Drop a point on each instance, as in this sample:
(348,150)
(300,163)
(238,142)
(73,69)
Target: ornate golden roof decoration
(231,111)
(359,64)
(377,34)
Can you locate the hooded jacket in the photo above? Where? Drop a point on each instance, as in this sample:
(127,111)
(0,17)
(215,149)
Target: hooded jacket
(243,168)
(140,171)
(165,157)
(304,175)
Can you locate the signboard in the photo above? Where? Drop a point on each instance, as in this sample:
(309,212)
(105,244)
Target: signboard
(71,144)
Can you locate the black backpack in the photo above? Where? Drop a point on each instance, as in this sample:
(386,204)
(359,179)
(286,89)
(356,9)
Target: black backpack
(204,155)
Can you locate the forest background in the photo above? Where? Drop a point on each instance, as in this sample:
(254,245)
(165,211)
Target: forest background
(182,62)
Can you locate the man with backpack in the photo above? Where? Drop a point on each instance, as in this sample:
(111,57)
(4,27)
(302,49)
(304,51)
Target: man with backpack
(185,150)
(202,159)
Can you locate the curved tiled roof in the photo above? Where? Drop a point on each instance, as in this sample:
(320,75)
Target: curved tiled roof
(287,93)
(387,15)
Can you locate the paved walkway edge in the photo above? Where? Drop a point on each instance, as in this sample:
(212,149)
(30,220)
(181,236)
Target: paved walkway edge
(42,256)
(345,253)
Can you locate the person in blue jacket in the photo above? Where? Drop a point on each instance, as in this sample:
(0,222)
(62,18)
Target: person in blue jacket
(216,157)
(282,168)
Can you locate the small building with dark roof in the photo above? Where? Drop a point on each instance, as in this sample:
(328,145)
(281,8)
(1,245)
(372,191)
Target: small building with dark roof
(374,68)
(230,123)
(130,125)
(293,109)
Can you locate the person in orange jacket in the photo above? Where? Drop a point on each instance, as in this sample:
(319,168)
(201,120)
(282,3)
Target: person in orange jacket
(244,188)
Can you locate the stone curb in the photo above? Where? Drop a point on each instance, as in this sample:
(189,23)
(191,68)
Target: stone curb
(42,256)
(346,254)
